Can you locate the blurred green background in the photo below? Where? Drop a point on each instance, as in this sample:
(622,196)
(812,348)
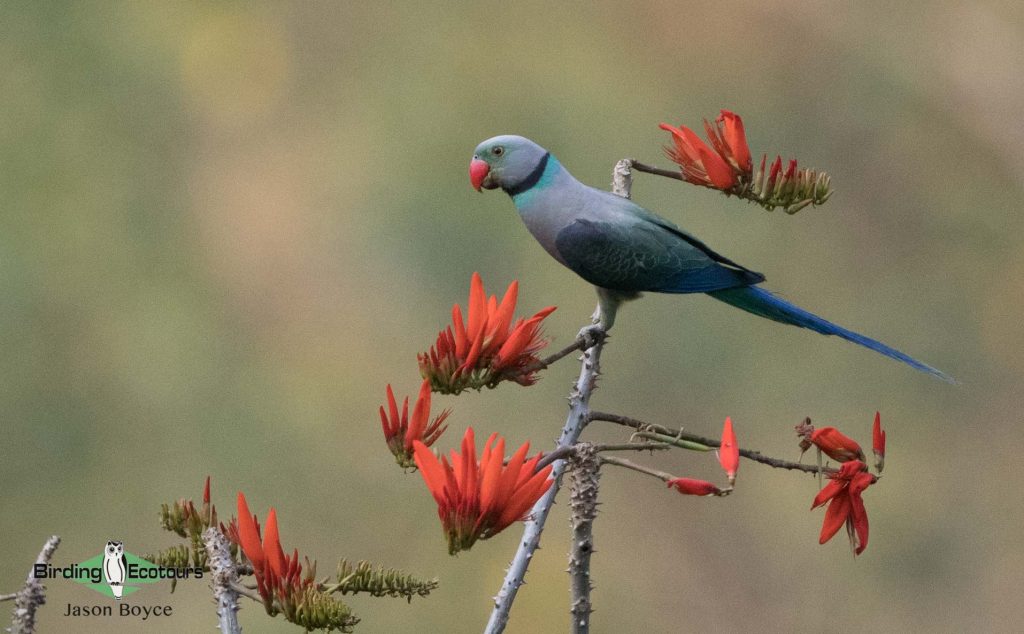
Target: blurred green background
(227,226)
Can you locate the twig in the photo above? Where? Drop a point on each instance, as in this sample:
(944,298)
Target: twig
(225,578)
(32,594)
(558,453)
(548,360)
(756,456)
(246,592)
(585,472)
(673,440)
(631,446)
(654,473)
(650,169)
(561,453)
(629,464)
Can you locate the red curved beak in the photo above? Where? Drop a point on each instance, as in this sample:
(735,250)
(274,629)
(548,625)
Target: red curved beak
(478,171)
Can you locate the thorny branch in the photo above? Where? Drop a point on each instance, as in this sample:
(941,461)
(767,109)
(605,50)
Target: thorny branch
(32,594)
(585,476)
(579,408)
(225,580)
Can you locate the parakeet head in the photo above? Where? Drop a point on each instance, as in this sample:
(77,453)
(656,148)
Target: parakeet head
(506,161)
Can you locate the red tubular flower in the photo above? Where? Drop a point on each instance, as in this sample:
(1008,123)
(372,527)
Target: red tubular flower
(843,492)
(773,174)
(790,170)
(272,545)
(830,441)
(689,486)
(735,141)
(277,576)
(400,431)
(230,531)
(183,518)
(487,347)
(836,445)
(700,165)
(209,511)
(477,500)
(729,452)
(724,165)
(249,534)
(878,443)
(250,542)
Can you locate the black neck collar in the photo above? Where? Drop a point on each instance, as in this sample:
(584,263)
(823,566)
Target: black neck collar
(531,178)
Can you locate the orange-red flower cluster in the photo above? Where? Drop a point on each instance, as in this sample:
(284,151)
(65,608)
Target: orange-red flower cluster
(847,484)
(476,500)
(400,431)
(725,166)
(277,576)
(843,493)
(488,347)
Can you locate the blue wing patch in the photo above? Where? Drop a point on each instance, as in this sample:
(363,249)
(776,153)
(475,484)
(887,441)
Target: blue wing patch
(646,256)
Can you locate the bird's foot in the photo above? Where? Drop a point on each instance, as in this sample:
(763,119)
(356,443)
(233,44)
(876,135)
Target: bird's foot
(589,336)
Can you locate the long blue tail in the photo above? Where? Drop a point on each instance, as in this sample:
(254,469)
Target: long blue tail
(764,304)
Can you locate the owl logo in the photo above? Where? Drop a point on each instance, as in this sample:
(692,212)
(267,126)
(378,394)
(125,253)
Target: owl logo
(115,567)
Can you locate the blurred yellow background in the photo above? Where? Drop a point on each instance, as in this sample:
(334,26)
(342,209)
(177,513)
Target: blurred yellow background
(227,226)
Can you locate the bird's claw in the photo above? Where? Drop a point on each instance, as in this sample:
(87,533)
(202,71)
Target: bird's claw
(589,336)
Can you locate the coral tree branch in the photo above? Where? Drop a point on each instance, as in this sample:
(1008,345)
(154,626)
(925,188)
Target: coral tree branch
(577,419)
(585,474)
(32,594)
(629,464)
(225,580)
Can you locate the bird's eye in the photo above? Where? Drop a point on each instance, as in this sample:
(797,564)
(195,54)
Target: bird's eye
(498,151)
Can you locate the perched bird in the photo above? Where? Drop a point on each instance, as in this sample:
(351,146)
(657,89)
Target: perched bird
(623,249)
